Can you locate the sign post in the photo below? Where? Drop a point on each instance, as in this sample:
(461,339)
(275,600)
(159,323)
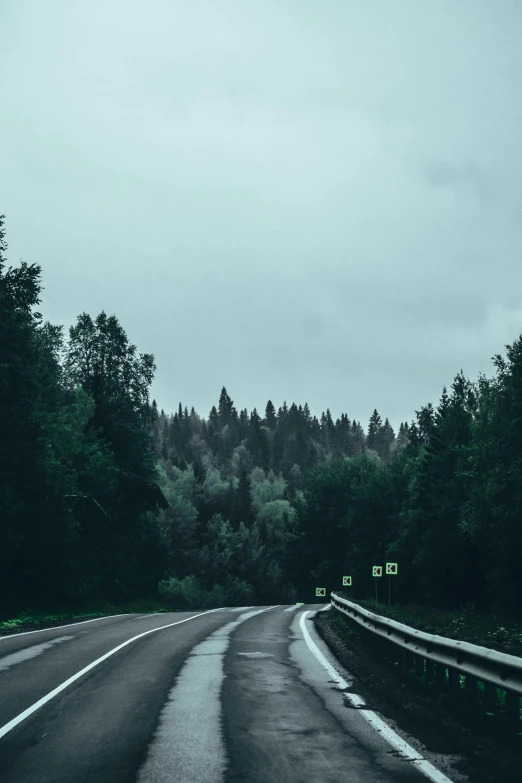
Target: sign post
(376,571)
(391,568)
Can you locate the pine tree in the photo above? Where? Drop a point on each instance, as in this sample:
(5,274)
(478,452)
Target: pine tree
(374,428)
(199,470)
(425,422)
(414,437)
(257,442)
(244,498)
(243,424)
(213,420)
(342,440)
(358,438)
(386,441)
(402,438)
(443,406)
(330,431)
(270,415)
(225,408)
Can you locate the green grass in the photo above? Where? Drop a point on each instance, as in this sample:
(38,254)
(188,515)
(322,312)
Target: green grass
(347,628)
(26,618)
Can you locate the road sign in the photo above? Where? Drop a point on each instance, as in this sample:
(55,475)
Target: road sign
(391,568)
(377,571)
(320,592)
(347,581)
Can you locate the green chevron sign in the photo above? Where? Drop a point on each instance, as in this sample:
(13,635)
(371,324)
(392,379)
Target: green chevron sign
(347,581)
(320,592)
(377,571)
(391,568)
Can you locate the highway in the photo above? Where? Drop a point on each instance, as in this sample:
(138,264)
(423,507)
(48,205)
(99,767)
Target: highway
(242,694)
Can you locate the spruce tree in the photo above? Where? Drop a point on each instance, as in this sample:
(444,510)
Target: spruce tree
(425,422)
(270,415)
(244,498)
(374,428)
(402,438)
(358,438)
(225,408)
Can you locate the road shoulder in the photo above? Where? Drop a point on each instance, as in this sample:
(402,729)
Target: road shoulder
(485,757)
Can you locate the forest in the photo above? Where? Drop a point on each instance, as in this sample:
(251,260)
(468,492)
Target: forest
(103,497)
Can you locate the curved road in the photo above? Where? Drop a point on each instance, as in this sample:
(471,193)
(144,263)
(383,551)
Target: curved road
(213,697)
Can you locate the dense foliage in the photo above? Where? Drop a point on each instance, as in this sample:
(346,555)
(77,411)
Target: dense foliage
(104,497)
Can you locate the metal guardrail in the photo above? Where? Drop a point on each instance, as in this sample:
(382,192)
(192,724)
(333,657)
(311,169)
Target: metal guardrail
(433,655)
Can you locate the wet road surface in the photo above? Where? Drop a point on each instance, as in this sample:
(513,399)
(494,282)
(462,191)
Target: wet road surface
(214,697)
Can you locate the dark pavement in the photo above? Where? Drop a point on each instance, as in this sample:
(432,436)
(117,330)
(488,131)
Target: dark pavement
(228,695)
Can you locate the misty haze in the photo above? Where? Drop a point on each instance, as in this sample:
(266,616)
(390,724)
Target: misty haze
(260,355)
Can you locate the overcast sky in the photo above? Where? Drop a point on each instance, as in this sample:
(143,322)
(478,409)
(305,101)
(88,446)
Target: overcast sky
(311,200)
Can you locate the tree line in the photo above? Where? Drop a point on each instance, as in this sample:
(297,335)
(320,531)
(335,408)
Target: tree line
(105,498)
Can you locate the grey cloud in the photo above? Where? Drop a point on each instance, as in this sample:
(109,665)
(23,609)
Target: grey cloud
(310,202)
(444,174)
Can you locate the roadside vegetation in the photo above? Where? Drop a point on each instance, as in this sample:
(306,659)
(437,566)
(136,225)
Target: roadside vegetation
(106,501)
(27,621)
(466,624)
(484,746)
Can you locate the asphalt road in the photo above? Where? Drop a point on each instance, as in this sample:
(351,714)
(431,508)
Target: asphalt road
(215,697)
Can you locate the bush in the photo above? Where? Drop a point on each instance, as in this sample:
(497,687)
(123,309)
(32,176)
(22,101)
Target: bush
(184,594)
(188,594)
(237,592)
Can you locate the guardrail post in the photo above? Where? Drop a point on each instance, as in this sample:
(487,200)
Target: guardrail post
(471,689)
(454,680)
(490,697)
(472,662)
(513,707)
(440,676)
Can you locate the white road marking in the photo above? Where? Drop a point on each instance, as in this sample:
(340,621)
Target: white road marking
(56,627)
(29,652)
(325,608)
(188,743)
(239,608)
(404,748)
(291,608)
(36,706)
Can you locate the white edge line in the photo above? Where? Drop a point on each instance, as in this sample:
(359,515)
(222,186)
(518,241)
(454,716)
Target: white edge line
(56,627)
(36,706)
(384,730)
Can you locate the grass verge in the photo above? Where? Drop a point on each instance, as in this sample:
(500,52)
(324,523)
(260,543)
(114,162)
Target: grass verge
(28,620)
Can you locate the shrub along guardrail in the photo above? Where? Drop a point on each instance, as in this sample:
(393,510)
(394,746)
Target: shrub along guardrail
(432,656)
